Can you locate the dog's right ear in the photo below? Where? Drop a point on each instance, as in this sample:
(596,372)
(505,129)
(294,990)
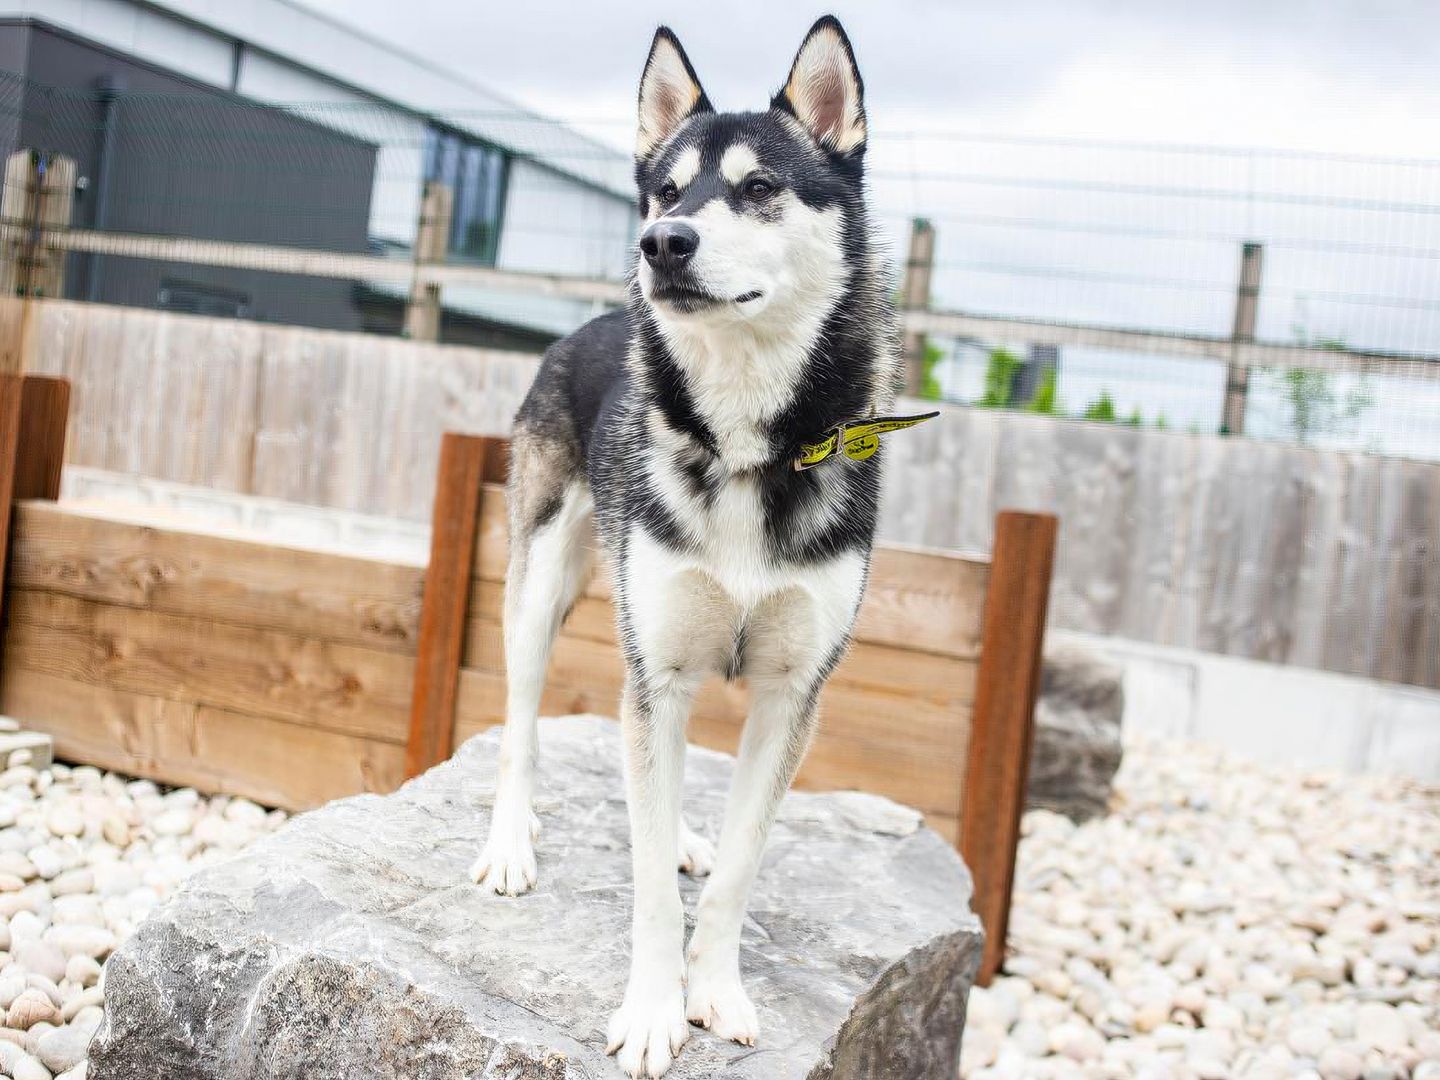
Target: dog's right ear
(669,93)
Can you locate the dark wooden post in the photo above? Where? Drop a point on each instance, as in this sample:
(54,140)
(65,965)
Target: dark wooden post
(1247,308)
(998,762)
(915,296)
(466,462)
(432,241)
(33,414)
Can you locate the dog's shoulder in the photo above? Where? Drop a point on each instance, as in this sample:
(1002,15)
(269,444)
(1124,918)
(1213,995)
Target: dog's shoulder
(577,375)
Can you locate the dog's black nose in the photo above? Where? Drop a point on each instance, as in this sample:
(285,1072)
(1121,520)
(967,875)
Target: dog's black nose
(667,245)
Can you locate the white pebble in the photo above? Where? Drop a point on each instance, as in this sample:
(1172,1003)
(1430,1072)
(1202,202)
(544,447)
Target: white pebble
(1337,1063)
(1381,1027)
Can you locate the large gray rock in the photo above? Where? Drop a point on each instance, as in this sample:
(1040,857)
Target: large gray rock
(1076,749)
(352,945)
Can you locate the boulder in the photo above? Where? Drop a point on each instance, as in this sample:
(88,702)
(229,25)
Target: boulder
(351,943)
(1076,748)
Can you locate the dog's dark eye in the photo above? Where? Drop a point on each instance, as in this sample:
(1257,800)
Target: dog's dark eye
(758,188)
(668,194)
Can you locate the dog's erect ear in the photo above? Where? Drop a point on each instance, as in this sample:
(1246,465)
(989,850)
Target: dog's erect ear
(824,91)
(669,92)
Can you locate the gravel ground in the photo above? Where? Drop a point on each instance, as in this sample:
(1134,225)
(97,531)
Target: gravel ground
(84,855)
(1225,920)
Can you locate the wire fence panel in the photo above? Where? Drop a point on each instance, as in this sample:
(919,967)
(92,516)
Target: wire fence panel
(1076,278)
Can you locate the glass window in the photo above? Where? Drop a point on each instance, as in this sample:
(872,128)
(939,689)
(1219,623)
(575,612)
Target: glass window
(475,173)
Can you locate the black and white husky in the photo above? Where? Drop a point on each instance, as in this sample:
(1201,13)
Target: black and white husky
(759,319)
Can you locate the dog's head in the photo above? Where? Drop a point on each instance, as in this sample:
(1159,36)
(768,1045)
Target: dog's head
(747,216)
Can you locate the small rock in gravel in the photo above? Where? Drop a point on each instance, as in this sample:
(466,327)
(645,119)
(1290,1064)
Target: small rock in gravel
(1077,1041)
(1338,1063)
(82,970)
(71,882)
(64,1048)
(176,822)
(86,999)
(30,1008)
(115,830)
(79,939)
(65,819)
(27,1068)
(41,958)
(1380,1026)
(46,861)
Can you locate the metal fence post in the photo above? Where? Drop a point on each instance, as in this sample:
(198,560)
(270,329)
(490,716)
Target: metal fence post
(1247,304)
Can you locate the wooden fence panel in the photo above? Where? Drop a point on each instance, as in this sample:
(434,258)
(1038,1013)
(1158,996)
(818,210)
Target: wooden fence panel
(126,556)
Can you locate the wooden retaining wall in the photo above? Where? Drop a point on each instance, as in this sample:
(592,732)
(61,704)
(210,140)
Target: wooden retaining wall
(162,647)
(1260,550)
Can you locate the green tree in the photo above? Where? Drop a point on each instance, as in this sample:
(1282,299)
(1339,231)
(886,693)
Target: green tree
(999,377)
(1102,408)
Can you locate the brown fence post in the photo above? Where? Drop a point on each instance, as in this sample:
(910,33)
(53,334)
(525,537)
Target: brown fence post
(915,296)
(464,466)
(998,762)
(432,240)
(33,414)
(1247,308)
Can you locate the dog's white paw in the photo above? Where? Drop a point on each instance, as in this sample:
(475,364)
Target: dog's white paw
(716,1001)
(507,862)
(648,1031)
(697,855)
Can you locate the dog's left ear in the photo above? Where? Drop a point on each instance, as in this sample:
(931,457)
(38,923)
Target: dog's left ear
(824,91)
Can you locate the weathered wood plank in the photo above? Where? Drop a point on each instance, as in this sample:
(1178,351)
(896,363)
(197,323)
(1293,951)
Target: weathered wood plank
(332,686)
(998,757)
(11,396)
(447,596)
(98,555)
(44,419)
(271,761)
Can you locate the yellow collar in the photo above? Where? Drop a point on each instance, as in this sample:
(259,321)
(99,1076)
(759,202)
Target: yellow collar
(856,439)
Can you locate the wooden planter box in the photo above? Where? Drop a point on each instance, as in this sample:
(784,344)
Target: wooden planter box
(168,648)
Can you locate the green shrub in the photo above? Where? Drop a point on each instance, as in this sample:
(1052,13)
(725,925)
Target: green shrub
(1102,408)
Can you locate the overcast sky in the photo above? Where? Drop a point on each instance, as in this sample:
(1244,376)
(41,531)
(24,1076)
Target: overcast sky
(1353,75)
(1060,232)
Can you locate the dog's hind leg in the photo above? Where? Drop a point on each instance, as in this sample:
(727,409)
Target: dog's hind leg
(551,555)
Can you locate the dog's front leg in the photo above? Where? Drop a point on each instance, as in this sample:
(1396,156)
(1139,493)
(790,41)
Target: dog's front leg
(777,732)
(649,1029)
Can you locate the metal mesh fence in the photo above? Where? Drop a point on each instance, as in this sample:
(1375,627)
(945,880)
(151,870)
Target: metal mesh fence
(1088,279)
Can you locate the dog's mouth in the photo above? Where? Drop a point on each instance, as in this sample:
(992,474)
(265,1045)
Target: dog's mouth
(687,299)
(684,297)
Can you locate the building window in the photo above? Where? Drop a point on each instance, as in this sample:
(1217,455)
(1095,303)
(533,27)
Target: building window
(196,299)
(475,173)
